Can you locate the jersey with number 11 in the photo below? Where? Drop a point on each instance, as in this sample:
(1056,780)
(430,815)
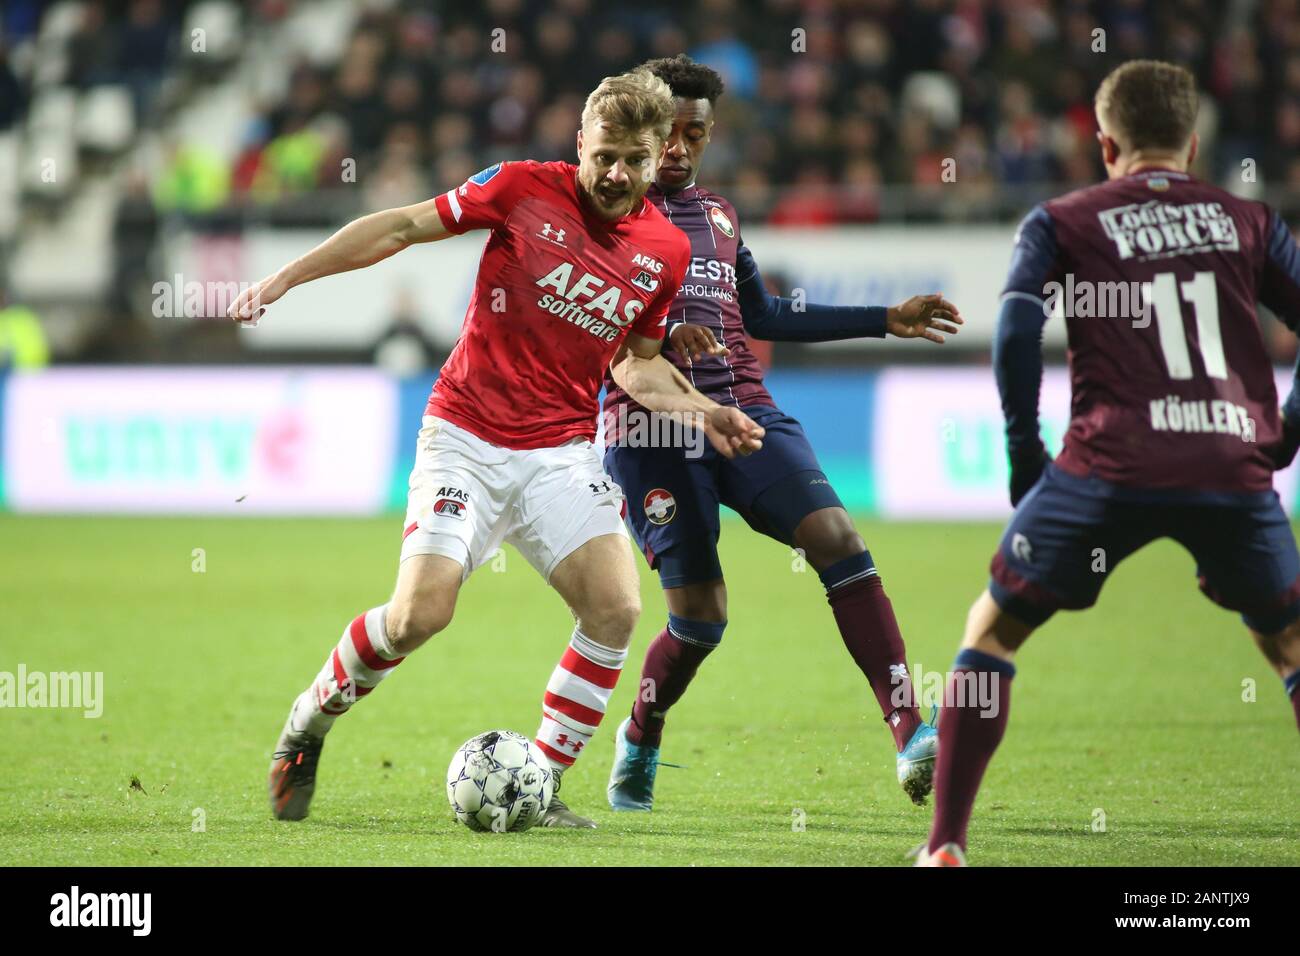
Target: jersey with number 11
(1157,276)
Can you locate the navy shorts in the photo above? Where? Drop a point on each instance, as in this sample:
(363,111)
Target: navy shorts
(672,499)
(1069,533)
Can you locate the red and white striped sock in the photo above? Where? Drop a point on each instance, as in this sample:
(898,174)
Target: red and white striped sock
(364,656)
(576,698)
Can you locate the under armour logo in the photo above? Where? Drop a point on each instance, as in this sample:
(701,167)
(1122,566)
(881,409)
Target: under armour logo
(1021,548)
(897,672)
(598,487)
(552,235)
(564,741)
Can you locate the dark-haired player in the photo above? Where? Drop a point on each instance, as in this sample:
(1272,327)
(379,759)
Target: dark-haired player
(673,498)
(1174,428)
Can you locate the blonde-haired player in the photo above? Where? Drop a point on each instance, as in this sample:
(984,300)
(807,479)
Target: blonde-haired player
(577,275)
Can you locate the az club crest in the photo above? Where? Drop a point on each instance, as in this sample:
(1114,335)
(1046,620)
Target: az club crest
(722,222)
(642,279)
(449,508)
(660,506)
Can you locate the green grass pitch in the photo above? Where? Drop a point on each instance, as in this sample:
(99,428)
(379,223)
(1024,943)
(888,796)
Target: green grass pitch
(1134,710)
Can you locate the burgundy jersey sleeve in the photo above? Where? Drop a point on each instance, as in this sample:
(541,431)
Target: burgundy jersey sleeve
(486,199)
(1036,259)
(1279,286)
(652,323)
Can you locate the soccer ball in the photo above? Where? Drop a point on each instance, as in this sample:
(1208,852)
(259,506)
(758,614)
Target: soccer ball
(499,781)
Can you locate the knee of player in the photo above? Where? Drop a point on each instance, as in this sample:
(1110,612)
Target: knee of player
(1282,647)
(846,543)
(706,601)
(830,538)
(991,629)
(411,625)
(612,623)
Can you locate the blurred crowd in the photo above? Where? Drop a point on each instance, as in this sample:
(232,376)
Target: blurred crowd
(836,112)
(828,104)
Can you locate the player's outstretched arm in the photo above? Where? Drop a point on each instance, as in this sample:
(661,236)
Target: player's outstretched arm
(360,243)
(779,319)
(923,317)
(656,385)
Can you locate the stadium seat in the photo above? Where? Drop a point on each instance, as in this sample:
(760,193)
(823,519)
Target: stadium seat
(106,119)
(935,95)
(60,22)
(53,112)
(8,184)
(219,21)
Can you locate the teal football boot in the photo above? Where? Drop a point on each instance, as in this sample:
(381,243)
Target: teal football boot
(632,779)
(916,762)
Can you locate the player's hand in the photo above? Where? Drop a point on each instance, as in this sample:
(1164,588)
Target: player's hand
(251,304)
(923,317)
(694,341)
(1025,471)
(732,432)
(1283,453)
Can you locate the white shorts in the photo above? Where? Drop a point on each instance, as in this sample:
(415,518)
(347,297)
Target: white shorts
(468,496)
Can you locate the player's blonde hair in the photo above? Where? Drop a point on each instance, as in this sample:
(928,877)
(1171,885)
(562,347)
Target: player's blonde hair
(631,102)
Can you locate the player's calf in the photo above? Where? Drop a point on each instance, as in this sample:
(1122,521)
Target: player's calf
(598,581)
(424,600)
(1282,649)
(371,647)
(411,625)
(977,703)
(671,663)
(362,658)
(870,631)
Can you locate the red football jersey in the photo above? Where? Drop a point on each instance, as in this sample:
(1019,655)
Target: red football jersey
(558,289)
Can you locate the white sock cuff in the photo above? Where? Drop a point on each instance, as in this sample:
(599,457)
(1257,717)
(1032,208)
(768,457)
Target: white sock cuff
(377,631)
(597,653)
